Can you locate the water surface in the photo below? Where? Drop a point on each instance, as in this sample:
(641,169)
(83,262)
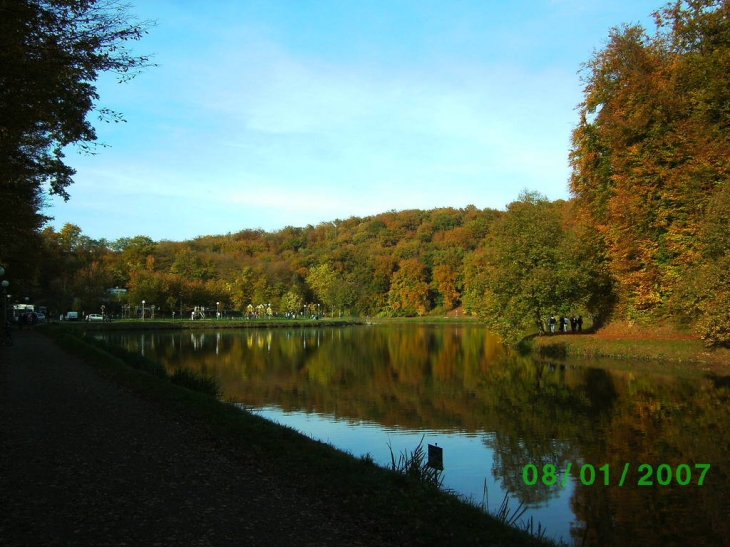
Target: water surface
(376,389)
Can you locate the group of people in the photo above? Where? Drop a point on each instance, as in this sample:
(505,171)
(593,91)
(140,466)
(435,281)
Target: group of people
(29,320)
(562,323)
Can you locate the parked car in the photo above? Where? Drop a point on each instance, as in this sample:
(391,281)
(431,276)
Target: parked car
(72,316)
(41,317)
(95,317)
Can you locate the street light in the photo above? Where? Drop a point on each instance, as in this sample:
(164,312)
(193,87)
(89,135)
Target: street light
(217,310)
(5,284)
(142,310)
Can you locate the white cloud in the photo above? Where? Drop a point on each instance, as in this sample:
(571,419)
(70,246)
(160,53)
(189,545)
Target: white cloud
(288,138)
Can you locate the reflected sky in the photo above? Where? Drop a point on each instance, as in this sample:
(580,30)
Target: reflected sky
(492,411)
(468,462)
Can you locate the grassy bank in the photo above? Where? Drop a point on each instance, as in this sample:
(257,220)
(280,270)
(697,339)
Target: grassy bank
(428,320)
(186,324)
(409,511)
(675,349)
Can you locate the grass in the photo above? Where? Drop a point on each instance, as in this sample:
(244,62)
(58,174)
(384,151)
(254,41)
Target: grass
(425,320)
(186,324)
(406,508)
(414,466)
(666,349)
(512,517)
(589,346)
(197,381)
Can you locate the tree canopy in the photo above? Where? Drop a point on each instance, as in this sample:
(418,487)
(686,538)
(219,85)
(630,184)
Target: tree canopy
(527,270)
(651,155)
(644,236)
(51,54)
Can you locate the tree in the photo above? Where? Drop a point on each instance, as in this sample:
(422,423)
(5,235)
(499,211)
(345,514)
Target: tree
(409,289)
(51,53)
(445,280)
(75,268)
(703,296)
(292,302)
(525,274)
(331,288)
(653,147)
(134,251)
(323,280)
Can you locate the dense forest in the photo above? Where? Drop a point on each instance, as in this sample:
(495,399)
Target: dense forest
(643,238)
(406,263)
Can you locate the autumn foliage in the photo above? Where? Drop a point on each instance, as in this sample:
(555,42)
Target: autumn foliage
(394,264)
(651,159)
(644,237)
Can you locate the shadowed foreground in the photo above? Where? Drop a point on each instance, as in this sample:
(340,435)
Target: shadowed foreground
(85,462)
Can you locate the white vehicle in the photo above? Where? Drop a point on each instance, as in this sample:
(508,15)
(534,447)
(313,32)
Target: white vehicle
(20,310)
(72,316)
(95,317)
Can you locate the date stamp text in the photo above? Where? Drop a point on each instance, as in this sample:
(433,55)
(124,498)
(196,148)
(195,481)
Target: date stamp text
(644,474)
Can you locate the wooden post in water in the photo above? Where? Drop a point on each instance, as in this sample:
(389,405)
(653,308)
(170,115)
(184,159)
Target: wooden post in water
(435,457)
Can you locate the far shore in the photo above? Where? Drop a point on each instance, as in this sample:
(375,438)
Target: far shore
(187,324)
(638,346)
(618,342)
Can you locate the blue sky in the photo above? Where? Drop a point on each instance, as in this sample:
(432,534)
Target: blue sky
(263,114)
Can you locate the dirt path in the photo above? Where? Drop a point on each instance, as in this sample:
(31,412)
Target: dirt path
(83,462)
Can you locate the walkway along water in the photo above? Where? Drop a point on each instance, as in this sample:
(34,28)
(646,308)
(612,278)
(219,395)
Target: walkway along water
(84,462)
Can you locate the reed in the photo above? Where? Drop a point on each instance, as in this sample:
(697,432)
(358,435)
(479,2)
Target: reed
(415,466)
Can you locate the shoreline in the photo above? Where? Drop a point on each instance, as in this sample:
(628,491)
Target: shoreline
(407,510)
(670,351)
(204,324)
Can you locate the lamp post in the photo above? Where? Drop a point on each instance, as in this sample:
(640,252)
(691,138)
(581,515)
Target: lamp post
(217,310)
(5,284)
(142,310)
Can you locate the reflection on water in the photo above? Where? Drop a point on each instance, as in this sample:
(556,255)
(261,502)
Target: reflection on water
(493,412)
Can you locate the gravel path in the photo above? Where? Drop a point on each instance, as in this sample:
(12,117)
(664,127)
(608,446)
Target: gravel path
(84,462)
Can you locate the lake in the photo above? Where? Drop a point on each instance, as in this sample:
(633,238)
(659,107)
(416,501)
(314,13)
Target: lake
(600,455)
